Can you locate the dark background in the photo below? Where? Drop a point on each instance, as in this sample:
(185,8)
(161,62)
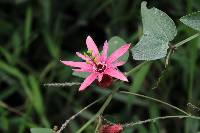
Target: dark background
(36,34)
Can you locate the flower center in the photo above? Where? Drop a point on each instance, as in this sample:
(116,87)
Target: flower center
(100,67)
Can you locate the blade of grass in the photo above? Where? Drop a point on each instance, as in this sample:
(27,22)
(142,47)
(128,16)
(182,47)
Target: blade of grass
(27,26)
(37,100)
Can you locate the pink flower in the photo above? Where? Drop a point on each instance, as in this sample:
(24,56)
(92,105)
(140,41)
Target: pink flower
(116,128)
(99,64)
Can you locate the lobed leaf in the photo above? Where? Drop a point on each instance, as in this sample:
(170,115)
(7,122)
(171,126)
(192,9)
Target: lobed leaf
(192,20)
(150,48)
(157,23)
(158,30)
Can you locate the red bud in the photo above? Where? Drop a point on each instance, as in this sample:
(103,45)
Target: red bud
(105,82)
(116,128)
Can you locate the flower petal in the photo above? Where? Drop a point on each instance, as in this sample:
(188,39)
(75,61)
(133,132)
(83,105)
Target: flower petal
(116,74)
(92,46)
(82,70)
(118,63)
(76,64)
(88,81)
(105,51)
(82,56)
(118,53)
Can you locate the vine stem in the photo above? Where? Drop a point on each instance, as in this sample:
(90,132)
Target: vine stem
(175,46)
(157,100)
(74,116)
(168,57)
(159,118)
(61,84)
(131,124)
(101,110)
(186,40)
(135,69)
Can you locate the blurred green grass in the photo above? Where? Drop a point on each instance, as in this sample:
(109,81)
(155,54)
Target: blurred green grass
(36,34)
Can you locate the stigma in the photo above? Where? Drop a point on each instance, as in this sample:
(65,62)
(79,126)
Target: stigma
(100,67)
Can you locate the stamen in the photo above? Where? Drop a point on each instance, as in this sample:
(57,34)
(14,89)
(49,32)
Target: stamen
(85,54)
(87,62)
(89,52)
(95,60)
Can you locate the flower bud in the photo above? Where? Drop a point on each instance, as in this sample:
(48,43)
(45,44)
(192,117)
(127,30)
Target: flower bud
(105,82)
(116,128)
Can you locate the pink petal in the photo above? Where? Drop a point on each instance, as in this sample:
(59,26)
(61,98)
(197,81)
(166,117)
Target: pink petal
(88,81)
(117,53)
(76,64)
(82,70)
(116,74)
(100,76)
(105,51)
(118,63)
(82,56)
(92,46)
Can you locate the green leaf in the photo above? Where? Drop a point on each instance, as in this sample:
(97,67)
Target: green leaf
(37,96)
(150,48)
(27,26)
(80,74)
(41,130)
(158,23)
(114,43)
(139,78)
(192,20)
(158,30)
(52,46)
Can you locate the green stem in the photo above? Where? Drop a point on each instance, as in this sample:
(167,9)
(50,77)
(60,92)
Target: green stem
(186,40)
(159,118)
(167,58)
(136,68)
(74,116)
(64,84)
(101,110)
(157,100)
